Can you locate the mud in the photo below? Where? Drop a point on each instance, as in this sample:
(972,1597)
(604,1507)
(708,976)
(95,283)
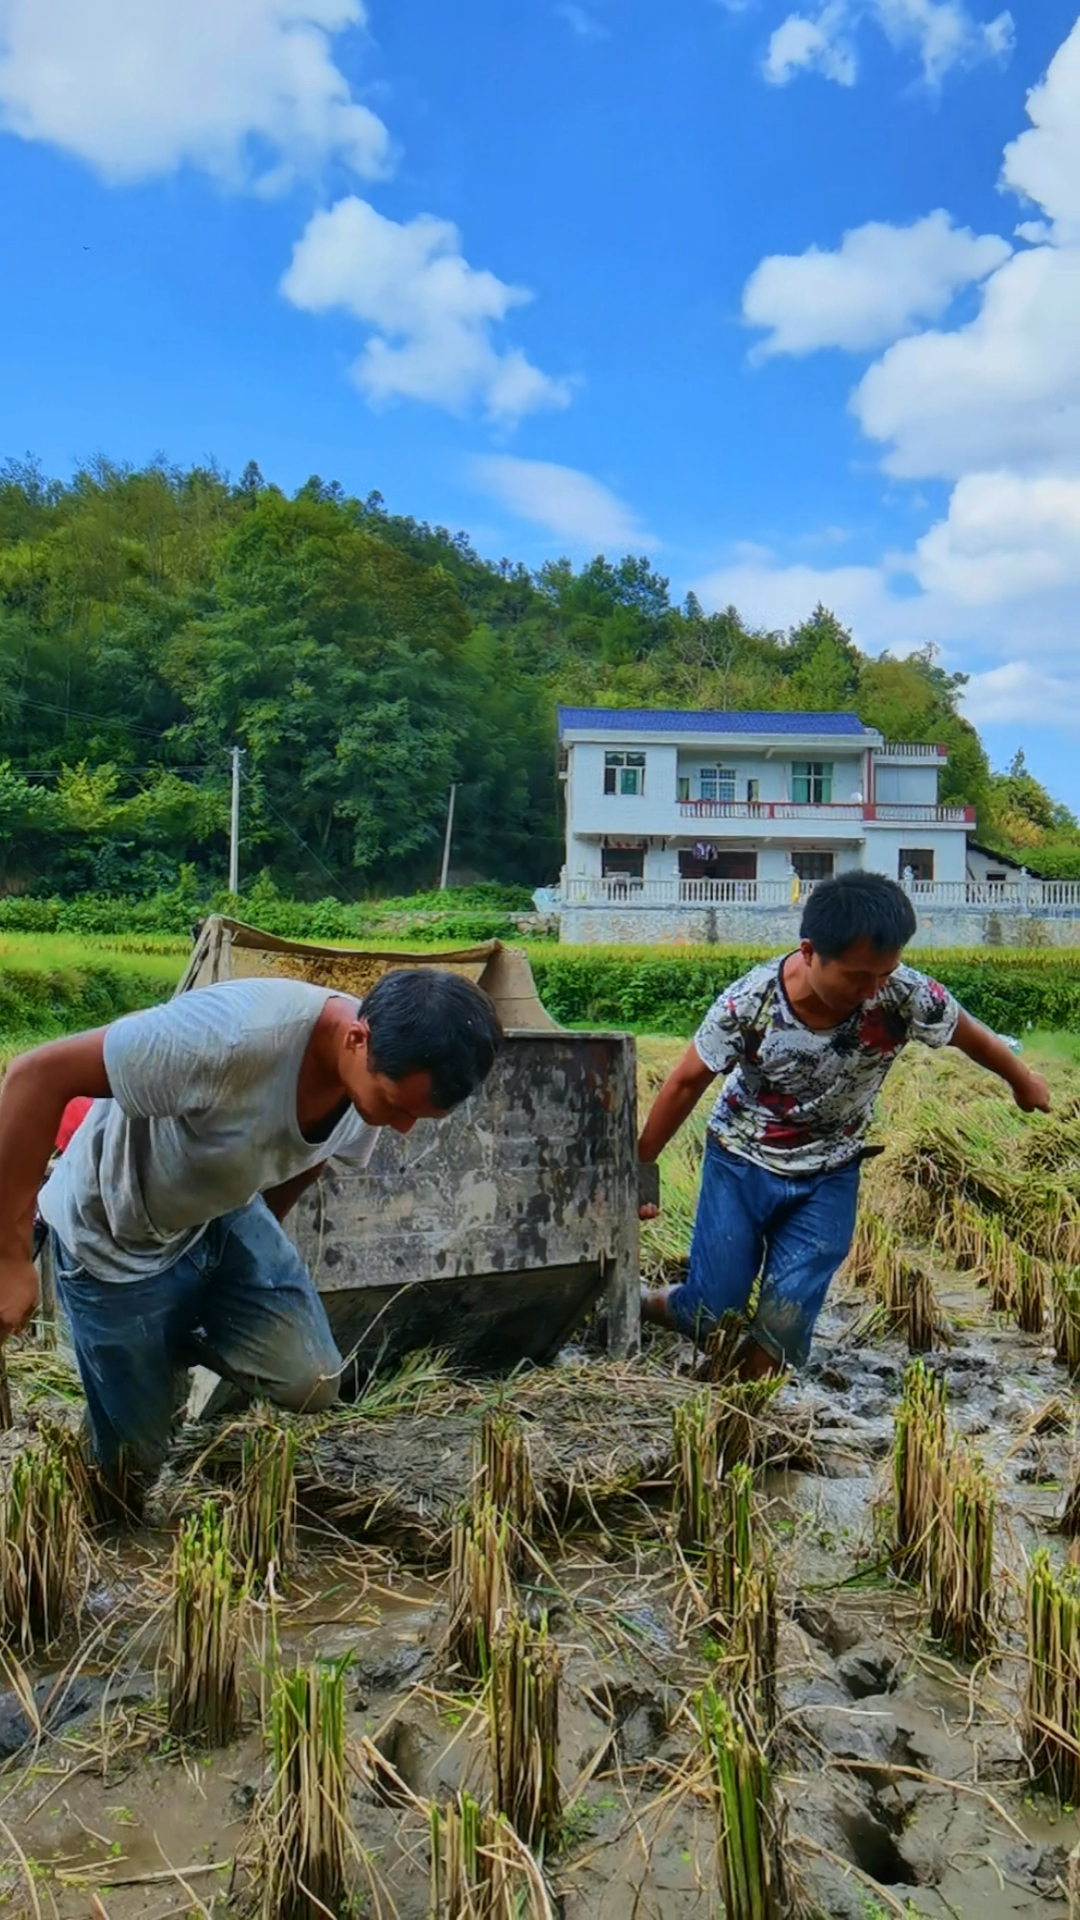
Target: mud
(902,1774)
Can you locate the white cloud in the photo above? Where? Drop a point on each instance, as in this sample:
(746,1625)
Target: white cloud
(571,505)
(1019,694)
(800,44)
(430,313)
(246,90)
(992,406)
(1006,537)
(1043,164)
(1002,391)
(874,287)
(942,34)
(770,594)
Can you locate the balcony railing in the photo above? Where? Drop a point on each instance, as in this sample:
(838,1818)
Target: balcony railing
(828,812)
(906,750)
(911,812)
(1037,898)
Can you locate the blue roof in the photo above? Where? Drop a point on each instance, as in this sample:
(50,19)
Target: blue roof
(670,720)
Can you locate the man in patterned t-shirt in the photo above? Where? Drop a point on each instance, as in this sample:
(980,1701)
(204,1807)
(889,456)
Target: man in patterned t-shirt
(804,1043)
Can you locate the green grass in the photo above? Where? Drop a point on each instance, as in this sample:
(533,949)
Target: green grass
(155,956)
(52,984)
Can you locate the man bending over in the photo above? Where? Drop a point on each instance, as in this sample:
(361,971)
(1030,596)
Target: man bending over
(805,1043)
(211,1116)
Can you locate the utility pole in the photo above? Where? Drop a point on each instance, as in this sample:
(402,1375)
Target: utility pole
(447,840)
(234,823)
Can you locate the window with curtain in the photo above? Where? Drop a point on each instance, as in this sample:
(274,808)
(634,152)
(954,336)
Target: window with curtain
(624,773)
(811,782)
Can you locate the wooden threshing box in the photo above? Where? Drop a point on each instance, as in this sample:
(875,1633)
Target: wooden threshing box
(490,1234)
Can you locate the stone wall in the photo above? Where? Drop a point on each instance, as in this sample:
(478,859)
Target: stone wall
(776,927)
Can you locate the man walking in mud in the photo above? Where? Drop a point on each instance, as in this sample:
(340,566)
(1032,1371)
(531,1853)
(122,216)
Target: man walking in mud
(804,1043)
(210,1116)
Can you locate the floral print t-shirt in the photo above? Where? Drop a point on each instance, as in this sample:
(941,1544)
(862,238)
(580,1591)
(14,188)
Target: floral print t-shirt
(798,1101)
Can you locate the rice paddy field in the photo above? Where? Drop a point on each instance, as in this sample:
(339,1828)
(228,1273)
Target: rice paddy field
(612,1639)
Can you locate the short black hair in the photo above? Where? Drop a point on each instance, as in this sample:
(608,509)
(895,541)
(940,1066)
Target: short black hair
(425,1020)
(857,906)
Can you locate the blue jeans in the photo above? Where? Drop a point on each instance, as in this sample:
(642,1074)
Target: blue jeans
(793,1231)
(241,1303)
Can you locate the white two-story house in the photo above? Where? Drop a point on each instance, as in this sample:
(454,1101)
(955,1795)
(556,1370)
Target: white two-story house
(687,808)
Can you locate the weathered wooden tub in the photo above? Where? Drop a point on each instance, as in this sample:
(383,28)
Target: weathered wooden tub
(493,1233)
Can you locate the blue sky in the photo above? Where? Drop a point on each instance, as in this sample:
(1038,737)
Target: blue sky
(737,285)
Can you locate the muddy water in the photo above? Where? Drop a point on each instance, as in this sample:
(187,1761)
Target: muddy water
(902,1775)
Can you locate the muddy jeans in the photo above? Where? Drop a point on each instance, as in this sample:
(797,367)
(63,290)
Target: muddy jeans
(794,1232)
(241,1302)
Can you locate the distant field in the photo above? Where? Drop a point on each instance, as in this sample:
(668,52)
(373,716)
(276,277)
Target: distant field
(156,956)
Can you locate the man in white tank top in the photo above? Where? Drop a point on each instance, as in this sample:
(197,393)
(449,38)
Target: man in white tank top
(211,1115)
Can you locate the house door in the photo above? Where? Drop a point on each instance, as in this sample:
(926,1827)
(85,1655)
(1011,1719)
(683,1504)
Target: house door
(810,864)
(718,863)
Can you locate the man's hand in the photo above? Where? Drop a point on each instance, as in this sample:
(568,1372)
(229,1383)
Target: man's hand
(1028,1089)
(1031,1093)
(18,1293)
(648,1190)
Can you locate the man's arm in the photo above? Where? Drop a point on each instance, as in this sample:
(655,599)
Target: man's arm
(1029,1089)
(282,1199)
(36,1089)
(676,1099)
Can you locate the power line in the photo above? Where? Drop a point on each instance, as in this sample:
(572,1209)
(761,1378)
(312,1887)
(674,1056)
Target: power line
(299,838)
(156,766)
(81,713)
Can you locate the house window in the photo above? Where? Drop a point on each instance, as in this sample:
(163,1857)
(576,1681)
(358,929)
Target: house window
(622,863)
(996,879)
(811,865)
(753,791)
(718,783)
(811,782)
(684,786)
(624,773)
(916,863)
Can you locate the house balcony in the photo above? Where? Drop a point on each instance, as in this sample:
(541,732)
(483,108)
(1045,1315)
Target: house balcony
(827,814)
(1041,899)
(657,814)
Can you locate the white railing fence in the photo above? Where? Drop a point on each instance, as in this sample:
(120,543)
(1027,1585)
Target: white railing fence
(1037,898)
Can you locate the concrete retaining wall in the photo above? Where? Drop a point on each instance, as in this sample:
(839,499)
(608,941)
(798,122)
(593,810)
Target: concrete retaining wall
(776,927)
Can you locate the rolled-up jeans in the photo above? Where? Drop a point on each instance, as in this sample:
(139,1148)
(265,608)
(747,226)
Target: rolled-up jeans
(240,1302)
(794,1230)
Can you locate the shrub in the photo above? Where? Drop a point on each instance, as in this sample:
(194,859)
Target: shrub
(668,990)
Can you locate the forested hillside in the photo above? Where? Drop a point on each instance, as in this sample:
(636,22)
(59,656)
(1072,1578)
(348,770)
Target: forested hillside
(151,620)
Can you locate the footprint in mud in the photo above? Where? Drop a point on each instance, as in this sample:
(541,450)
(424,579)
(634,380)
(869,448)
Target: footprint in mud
(874,1849)
(640,1722)
(866,1669)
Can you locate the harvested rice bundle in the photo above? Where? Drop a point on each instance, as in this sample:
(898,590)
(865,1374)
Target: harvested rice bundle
(41,1542)
(307,1839)
(695,1469)
(480,1870)
(1032,1279)
(481,1588)
(750,1853)
(918,1451)
(959,1569)
(1052,1701)
(266,1500)
(208,1612)
(504,1474)
(1065,1292)
(523,1718)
